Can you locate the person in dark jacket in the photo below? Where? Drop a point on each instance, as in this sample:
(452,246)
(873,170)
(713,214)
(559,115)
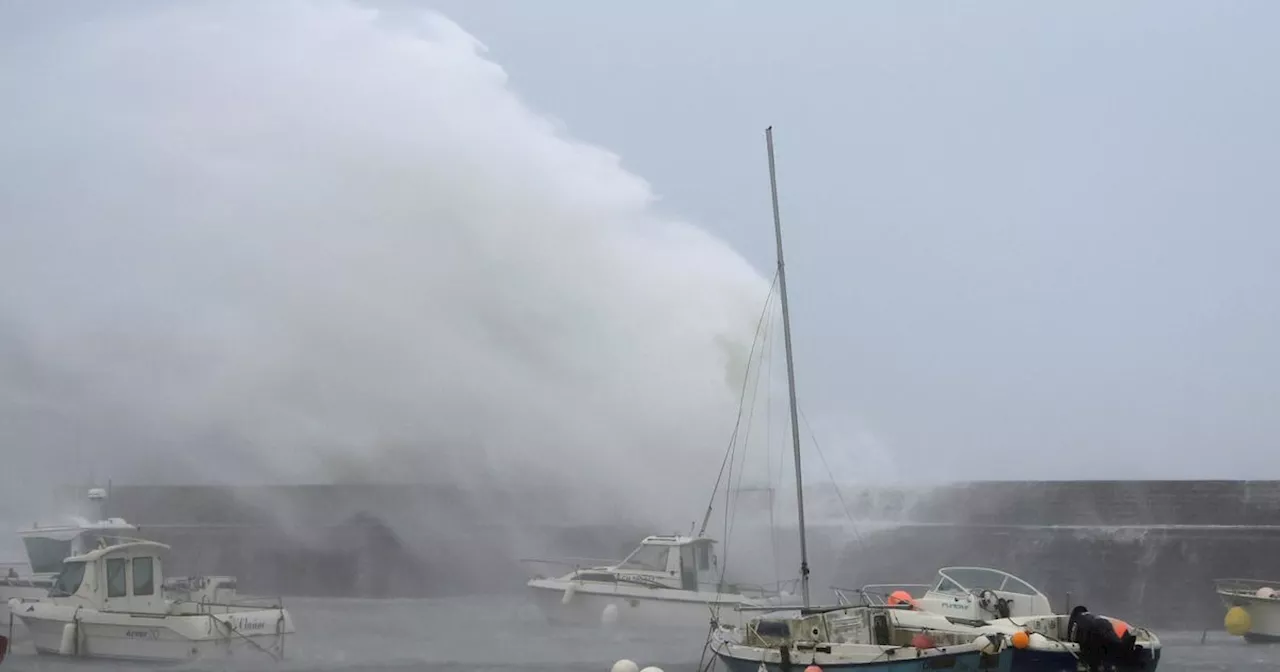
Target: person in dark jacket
(1104,644)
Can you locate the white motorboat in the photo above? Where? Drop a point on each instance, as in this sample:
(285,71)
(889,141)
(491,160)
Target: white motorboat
(1253,608)
(48,544)
(969,593)
(113,603)
(983,602)
(667,580)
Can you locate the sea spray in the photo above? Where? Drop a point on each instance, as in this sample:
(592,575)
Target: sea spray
(297,242)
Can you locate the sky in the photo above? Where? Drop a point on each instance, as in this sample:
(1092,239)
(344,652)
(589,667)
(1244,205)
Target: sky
(1024,240)
(520,242)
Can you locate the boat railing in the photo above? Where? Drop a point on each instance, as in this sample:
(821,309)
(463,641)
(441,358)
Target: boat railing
(754,590)
(14,570)
(1245,586)
(564,564)
(27,582)
(205,606)
(877,594)
(574,563)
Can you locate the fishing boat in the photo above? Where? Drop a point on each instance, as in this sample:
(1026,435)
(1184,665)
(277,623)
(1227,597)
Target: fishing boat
(861,638)
(1253,608)
(668,580)
(980,601)
(114,603)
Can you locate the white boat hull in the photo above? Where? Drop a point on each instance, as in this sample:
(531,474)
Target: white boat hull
(63,630)
(1264,616)
(587,604)
(22,590)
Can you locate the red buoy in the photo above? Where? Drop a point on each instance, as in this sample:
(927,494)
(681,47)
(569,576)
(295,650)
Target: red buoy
(922,641)
(4,647)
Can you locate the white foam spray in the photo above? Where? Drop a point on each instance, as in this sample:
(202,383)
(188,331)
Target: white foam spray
(297,242)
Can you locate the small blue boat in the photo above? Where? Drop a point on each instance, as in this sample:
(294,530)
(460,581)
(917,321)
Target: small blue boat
(981,601)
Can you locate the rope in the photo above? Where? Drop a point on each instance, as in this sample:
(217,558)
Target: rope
(231,629)
(835,486)
(730,507)
(746,377)
(1066,644)
(726,468)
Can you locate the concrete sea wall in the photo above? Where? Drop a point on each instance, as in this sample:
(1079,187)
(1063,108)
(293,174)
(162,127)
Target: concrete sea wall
(1146,550)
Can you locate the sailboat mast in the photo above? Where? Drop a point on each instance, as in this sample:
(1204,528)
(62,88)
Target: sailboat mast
(791,371)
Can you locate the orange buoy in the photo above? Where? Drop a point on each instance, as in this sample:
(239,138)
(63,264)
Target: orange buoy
(813,668)
(901,597)
(1021,639)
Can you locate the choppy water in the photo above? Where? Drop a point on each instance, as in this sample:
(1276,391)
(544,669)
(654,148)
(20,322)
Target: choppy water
(507,634)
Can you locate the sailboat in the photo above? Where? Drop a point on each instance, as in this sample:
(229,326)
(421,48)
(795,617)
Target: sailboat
(862,638)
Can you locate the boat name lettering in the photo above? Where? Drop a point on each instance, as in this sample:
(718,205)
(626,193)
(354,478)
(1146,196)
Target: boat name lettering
(251,624)
(149,633)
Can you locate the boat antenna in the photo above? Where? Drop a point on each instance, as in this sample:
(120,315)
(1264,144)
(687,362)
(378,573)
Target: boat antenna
(791,371)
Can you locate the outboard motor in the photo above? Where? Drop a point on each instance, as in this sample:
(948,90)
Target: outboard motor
(1101,647)
(994,604)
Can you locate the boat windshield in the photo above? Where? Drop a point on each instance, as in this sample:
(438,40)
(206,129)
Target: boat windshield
(45,555)
(68,580)
(650,558)
(965,579)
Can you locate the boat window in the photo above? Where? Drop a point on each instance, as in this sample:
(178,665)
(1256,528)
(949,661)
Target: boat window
(981,578)
(1013,584)
(115,577)
(68,580)
(46,555)
(946,585)
(704,557)
(595,576)
(653,558)
(143,576)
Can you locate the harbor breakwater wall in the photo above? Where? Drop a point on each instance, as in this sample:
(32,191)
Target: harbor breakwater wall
(1148,549)
(1145,549)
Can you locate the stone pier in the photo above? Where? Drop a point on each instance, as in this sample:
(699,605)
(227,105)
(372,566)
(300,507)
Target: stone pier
(1146,550)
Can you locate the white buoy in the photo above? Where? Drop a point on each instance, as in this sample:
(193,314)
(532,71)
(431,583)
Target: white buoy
(625,665)
(610,614)
(651,668)
(1041,643)
(568,594)
(1265,592)
(987,646)
(67,646)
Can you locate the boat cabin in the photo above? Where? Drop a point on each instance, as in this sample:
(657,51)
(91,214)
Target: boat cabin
(679,562)
(983,594)
(125,577)
(47,545)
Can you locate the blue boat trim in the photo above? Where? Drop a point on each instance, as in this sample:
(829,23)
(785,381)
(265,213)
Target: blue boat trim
(969,661)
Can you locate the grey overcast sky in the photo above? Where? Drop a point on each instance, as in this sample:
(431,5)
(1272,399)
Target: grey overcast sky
(1025,240)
